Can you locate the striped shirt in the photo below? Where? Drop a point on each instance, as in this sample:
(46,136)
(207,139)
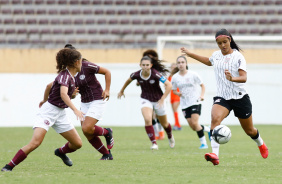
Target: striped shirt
(88,85)
(150,87)
(189,86)
(63,79)
(232,62)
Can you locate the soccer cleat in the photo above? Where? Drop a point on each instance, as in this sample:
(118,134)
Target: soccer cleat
(154,147)
(212,157)
(107,156)
(7,168)
(109,138)
(64,157)
(176,128)
(263,151)
(203,146)
(171,142)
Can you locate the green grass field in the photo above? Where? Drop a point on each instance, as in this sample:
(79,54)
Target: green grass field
(134,162)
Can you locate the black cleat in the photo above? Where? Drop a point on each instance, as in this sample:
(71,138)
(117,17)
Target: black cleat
(109,138)
(7,168)
(64,157)
(107,156)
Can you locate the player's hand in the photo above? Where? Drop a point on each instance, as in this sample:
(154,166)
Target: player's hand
(137,83)
(79,115)
(228,75)
(160,103)
(75,93)
(201,98)
(41,103)
(120,94)
(184,51)
(106,95)
(178,94)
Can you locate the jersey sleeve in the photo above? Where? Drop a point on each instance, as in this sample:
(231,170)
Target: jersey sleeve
(198,79)
(159,76)
(63,79)
(91,67)
(173,82)
(241,63)
(212,59)
(133,76)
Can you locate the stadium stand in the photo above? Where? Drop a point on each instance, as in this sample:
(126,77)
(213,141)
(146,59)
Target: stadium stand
(130,23)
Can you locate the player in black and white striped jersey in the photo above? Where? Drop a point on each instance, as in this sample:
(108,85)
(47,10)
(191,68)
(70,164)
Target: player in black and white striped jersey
(231,76)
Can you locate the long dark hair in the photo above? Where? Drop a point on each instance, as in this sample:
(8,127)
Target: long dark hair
(233,44)
(157,64)
(66,57)
(176,69)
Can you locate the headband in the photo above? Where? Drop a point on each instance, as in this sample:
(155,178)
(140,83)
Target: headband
(222,36)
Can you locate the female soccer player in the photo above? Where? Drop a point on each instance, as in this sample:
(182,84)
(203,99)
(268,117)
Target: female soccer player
(174,101)
(92,104)
(231,76)
(152,97)
(53,114)
(191,93)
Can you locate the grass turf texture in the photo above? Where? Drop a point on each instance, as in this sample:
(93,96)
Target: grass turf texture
(134,162)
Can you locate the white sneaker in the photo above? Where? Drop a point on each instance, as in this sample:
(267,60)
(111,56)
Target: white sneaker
(171,142)
(154,147)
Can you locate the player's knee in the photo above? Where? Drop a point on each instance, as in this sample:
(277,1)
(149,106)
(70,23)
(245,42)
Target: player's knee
(77,145)
(216,119)
(251,132)
(87,130)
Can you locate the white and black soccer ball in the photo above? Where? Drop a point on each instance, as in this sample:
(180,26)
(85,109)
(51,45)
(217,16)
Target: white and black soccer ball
(221,134)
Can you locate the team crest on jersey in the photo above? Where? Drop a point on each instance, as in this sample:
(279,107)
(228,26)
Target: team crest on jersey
(47,122)
(82,77)
(152,81)
(227,59)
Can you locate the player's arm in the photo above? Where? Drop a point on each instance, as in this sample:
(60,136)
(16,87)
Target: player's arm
(168,87)
(46,94)
(241,79)
(107,73)
(202,97)
(202,59)
(67,100)
(121,93)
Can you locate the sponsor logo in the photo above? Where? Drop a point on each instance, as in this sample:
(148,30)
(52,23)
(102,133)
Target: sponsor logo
(217,101)
(247,114)
(152,81)
(47,122)
(82,77)
(140,81)
(194,109)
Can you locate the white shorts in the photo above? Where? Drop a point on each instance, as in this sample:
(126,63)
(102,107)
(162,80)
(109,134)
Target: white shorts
(160,111)
(52,116)
(94,109)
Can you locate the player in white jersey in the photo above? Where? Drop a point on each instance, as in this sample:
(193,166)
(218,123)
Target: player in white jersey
(231,76)
(191,93)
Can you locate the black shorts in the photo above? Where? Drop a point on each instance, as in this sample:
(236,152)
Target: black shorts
(194,109)
(242,107)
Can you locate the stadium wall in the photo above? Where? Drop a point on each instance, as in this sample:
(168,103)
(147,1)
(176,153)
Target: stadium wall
(43,60)
(22,92)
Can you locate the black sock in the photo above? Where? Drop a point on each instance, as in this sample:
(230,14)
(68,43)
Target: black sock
(200,133)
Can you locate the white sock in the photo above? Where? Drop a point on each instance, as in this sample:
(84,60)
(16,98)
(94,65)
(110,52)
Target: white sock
(215,147)
(203,140)
(259,141)
(206,129)
(156,129)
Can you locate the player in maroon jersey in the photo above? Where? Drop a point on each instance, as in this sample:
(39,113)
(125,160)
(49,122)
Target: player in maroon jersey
(92,104)
(53,114)
(152,97)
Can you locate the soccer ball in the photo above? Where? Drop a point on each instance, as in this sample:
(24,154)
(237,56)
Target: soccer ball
(221,134)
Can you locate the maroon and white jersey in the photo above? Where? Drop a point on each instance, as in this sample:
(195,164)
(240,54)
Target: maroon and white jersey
(150,87)
(89,87)
(63,79)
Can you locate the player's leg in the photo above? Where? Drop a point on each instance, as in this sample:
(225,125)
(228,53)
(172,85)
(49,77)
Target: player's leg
(94,112)
(147,113)
(219,112)
(250,130)
(175,105)
(36,140)
(194,124)
(168,129)
(155,125)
